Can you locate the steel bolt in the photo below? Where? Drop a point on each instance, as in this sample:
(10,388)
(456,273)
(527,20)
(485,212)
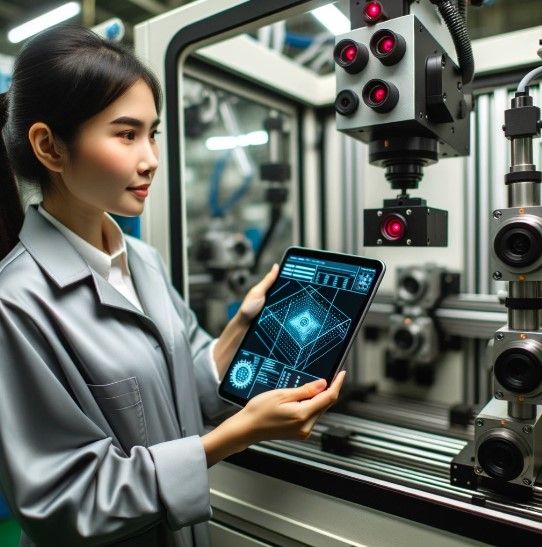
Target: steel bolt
(379,242)
(409,241)
(499,336)
(497,275)
(379,213)
(526,482)
(527,429)
(408,211)
(478,470)
(479,422)
(497,214)
(499,395)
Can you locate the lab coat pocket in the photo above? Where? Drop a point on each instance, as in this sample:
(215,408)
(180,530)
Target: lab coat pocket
(122,406)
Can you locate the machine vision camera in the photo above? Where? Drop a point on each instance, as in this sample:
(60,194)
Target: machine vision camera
(400,91)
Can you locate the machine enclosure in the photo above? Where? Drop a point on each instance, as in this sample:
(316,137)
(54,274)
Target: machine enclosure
(418,111)
(527,435)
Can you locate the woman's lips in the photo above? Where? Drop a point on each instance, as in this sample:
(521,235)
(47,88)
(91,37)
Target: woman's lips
(140,191)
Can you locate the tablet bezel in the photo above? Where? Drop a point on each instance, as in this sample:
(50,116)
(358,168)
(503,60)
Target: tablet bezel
(355,260)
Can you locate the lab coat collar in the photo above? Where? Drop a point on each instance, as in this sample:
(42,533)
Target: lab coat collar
(65,266)
(51,250)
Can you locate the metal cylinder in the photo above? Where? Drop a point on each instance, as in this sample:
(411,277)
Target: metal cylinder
(274,146)
(521,149)
(524,194)
(524,319)
(521,411)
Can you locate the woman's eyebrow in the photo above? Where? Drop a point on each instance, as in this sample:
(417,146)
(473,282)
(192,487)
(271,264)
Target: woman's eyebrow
(134,122)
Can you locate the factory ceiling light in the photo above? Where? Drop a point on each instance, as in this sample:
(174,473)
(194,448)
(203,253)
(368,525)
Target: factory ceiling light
(53,17)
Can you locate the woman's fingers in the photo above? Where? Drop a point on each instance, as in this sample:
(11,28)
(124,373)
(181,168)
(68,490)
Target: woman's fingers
(326,398)
(301,393)
(263,286)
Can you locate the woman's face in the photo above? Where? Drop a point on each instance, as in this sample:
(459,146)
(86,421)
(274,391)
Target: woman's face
(115,155)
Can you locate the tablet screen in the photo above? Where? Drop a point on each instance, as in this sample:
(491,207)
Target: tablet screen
(311,313)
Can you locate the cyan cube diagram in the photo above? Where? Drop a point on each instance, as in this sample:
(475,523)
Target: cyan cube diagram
(303,327)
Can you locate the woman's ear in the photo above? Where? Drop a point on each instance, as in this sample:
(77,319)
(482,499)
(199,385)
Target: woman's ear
(49,150)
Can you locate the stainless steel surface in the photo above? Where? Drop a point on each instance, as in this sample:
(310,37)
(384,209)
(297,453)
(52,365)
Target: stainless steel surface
(521,411)
(521,154)
(524,194)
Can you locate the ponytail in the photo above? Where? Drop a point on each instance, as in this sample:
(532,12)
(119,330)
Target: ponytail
(11,210)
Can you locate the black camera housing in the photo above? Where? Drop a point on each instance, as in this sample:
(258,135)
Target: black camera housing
(423,226)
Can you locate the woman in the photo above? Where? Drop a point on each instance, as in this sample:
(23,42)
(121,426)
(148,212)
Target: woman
(104,372)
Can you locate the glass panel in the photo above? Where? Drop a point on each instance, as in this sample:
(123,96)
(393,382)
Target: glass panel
(229,199)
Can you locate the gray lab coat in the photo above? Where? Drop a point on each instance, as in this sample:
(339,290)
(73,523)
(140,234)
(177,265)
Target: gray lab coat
(100,404)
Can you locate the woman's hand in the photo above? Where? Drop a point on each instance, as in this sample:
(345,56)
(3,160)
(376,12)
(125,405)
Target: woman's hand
(236,329)
(276,414)
(255,298)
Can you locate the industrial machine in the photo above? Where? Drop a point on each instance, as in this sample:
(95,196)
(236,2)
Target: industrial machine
(437,439)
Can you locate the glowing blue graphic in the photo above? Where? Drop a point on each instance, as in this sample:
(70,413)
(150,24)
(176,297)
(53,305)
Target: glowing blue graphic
(303,326)
(242,374)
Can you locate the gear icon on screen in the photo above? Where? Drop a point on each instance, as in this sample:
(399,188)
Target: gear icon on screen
(242,374)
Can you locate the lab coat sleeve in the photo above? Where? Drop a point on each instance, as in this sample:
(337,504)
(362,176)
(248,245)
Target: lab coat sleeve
(213,407)
(63,478)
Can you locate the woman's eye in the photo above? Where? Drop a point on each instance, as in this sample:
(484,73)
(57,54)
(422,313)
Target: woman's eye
(128,135)
(154,133)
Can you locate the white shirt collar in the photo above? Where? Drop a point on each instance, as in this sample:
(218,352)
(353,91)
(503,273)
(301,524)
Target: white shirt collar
(98,260)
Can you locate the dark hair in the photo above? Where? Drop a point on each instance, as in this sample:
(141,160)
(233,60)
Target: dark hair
(62,77)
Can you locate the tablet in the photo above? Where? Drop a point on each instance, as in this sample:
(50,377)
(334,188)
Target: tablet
(311,315)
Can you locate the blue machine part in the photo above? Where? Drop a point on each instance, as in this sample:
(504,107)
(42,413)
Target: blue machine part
(242,374)
(217,208)
(4,511)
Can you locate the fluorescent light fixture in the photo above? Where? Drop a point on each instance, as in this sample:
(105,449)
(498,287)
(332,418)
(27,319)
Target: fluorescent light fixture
(255,138)
(332,18)
(53,17)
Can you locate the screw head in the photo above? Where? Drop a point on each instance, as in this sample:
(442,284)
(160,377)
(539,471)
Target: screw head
(497,214)
(479,422)
(478,470)
(379,213)
(527,429)
(499,336)
(497,275)
(499,395)
(526,482)
(409,241)
(408,211)
(379,242)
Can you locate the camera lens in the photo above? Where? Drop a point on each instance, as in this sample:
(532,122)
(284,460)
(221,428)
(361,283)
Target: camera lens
(346,103)
(518,244)
(388,46)
(393,227)
(372,12)
(404,339)
(411,285)
(500,458)
(379,95)
(518,370)
(351,56)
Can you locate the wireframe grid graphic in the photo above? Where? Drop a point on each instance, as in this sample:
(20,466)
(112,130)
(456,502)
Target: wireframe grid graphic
(302,327)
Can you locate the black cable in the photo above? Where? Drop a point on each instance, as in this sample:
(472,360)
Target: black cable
(458,29)
(276,214)
(462,8)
